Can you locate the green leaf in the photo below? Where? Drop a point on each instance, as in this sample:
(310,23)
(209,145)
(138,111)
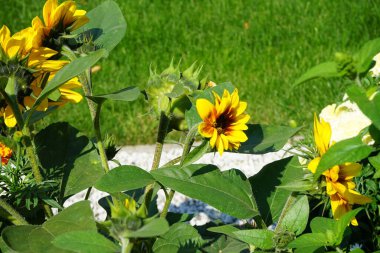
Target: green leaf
(85,242)
(229,192)
(77,217)
(225,229)
(197,153)
(179,235)
(350,150)
(154,228)
(261,238)
(67,154)
(124,178)
(322,224)
(14,237)
(126,94)
(323,70)
(375,162)
(269,197)
(226,245)
(264,139)
(106,27)
(68,72)
(314,240)
(364,56)
(342,224)
(298,185)
(295,220)
(370,108)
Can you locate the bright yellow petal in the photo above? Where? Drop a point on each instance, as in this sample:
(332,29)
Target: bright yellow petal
(236,136)
(48,10)
(349,171)
(9,117)
(214,138)
(351,196)
(241,108)
(5,35)
(70,96)
(219,145)
(322,134)
(313,165)
(204,108)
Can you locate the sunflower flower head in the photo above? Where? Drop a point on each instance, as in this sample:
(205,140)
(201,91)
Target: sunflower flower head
(58,20)
(6,154)
(339,179)
(224,121)
(29,66)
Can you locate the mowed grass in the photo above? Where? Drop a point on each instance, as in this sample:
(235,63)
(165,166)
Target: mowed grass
(260,46)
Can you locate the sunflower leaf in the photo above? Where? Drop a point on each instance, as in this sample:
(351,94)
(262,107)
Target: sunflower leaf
(350,150)
(227,191)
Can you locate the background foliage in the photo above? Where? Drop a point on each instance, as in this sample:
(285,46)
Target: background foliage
(260,46)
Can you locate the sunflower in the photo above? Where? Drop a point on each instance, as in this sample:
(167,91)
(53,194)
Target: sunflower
(339,179)
(29,65)
(57,20)
(224,121)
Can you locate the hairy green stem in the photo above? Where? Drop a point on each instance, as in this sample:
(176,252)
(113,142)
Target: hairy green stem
(8,208)
(161,134)
(33,159)
(186,149)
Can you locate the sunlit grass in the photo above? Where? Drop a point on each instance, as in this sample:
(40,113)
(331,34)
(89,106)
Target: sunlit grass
(260,46)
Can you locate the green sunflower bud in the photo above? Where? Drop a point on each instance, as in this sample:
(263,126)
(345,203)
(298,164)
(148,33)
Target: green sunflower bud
(345,63)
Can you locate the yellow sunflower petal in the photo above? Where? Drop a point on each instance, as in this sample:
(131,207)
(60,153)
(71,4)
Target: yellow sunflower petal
(5,35)
(206,130)
(48,10)
(241,108)
(349,171)
(219,145)
(313,165)
(213,138)
(204,108)
(322,134)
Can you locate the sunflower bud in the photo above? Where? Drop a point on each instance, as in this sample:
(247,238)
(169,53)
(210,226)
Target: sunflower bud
(345,63)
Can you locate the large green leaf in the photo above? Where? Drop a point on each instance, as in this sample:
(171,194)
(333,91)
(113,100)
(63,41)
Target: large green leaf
(323,70)
(225,229)
(264,139)
(179,236)
(226,244)
(77,217)
(371,108)
(155,227)
(64,152)
(261,238)
(68,72)
(350,150)
(126,95)
(295,219)
(106,27)
(124,178)
(229,191)
(14,236)
(325,232)
(269,198)
(364,56)
(314,240)
(85,242)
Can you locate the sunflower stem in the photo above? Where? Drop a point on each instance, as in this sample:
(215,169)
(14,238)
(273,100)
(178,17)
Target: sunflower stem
(161,135)
(186,149)
(16,215)
(33,159)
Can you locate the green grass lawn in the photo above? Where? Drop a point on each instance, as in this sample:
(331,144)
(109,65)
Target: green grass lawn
(260,46)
